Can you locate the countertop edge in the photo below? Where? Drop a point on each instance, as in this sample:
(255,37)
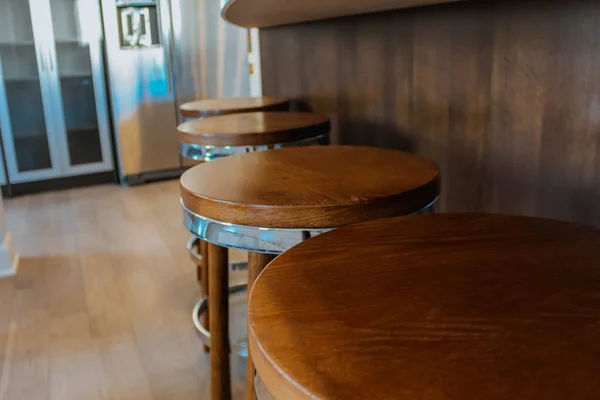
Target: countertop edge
(250,14)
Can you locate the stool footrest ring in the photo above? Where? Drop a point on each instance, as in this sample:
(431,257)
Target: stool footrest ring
(240,348)
(192,245)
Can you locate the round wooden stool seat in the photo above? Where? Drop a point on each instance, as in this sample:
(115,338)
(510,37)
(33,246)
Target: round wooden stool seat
(232,105)
(269,201)
(247,132)
(449,306)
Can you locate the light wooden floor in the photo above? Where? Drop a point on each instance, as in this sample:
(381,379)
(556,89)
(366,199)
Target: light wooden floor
(101,306)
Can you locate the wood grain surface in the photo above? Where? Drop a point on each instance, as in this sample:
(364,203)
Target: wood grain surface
(447,306)
(310,187)
(265,13)
(254,129)
(502,95)
(232,105)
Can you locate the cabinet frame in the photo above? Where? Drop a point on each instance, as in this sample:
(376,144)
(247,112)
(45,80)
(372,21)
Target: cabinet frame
(52,100)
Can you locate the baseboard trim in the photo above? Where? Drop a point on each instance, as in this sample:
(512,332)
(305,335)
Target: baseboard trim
(9,260)
(147,177)
(16,189)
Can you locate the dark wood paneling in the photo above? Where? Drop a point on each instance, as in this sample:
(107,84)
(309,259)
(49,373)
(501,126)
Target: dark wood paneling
(503,95)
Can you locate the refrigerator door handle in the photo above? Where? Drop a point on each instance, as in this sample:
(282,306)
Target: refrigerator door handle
(169,71)
(166,34)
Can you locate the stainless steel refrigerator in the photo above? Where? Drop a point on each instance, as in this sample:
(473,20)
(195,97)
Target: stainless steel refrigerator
(161,53)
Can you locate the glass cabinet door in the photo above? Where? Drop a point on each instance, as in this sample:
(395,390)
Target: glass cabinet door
(30,153)
(78,80)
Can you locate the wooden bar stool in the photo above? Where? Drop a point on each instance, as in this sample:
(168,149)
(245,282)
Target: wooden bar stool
(211,108)
(215,107)
(232,105)
(449,306)
(267,202)
(210,138)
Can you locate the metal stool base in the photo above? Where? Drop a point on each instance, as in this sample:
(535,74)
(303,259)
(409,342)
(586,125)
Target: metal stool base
(209,153)
(240,348)
(256,239)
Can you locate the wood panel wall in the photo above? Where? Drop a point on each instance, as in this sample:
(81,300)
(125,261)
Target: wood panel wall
(503,95)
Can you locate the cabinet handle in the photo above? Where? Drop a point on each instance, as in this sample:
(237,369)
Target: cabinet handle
(50,61)
(42,59)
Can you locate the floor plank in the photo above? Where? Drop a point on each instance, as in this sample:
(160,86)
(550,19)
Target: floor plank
(100,308)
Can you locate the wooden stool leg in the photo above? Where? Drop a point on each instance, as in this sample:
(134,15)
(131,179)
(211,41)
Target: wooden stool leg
(256,263)
(218,305)
(201,248)
(203,267)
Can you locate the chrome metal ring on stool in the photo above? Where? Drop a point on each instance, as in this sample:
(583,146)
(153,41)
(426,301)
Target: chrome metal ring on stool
(249,238)
(208,153)
(254,239)
(241,347)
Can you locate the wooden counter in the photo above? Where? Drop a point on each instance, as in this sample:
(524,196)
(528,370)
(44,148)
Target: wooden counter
(503,95)
(265,13)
